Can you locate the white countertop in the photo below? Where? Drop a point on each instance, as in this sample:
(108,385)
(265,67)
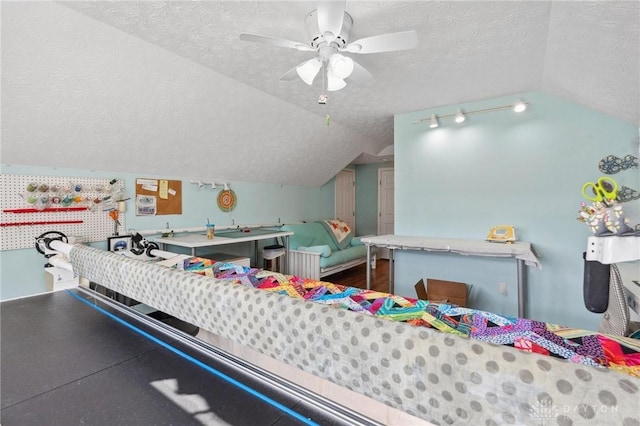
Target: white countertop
(519,250)
(200,239)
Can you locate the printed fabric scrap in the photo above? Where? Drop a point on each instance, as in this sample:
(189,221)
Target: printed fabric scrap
(580,346)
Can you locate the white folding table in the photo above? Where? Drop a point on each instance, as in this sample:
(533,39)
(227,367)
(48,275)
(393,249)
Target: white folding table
(521,251)
(199,239)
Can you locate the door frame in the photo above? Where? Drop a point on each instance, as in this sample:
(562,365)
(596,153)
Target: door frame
(383,253)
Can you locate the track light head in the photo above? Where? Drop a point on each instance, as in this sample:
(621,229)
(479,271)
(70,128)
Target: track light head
(460,117)
(519,106)
(213,186)
(434,121)
(226,187)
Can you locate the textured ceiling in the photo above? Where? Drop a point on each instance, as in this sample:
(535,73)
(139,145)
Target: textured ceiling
(167,87)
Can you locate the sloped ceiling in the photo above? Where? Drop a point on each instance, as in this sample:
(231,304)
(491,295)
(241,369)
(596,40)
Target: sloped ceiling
(167,88)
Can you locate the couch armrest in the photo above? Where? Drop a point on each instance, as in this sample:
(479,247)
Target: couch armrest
(304,264)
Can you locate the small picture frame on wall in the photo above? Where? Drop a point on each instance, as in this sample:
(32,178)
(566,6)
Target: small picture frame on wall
(121,243)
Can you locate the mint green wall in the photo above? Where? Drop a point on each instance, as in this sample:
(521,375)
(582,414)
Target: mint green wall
(525,170)
(258,203)
(367,197)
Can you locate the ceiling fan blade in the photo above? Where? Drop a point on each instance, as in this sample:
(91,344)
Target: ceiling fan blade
(330,17)
(275,41)
(290,75)
(384,43)
(360,75)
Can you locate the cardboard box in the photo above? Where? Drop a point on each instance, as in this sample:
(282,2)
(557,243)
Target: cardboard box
(441,291)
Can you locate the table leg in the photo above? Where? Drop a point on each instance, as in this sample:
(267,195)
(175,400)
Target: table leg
(368,267)
(285,262)
(391,262)
(255,252)
(521,288)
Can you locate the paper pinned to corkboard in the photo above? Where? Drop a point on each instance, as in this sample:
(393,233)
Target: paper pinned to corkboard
(158,197)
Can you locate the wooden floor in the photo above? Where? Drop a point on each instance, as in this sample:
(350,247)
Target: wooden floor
(357,276)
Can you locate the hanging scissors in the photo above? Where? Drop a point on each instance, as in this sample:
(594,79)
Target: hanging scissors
(603,190)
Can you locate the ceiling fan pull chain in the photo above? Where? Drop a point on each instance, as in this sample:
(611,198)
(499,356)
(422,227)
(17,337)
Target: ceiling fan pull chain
(322,100)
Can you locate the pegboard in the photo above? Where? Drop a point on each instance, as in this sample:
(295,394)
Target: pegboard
(75,206)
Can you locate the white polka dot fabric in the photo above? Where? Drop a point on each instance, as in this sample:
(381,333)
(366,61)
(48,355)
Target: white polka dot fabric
(441,378)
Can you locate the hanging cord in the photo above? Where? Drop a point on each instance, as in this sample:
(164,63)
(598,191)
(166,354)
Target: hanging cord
(323,97)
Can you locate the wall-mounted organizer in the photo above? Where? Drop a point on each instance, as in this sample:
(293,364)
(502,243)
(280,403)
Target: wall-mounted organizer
(33,205)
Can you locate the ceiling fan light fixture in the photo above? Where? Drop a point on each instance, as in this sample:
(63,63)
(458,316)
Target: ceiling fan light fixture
(334,83)
(341,65)
(307,71)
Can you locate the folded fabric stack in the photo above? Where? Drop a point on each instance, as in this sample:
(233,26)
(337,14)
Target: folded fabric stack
(576,345)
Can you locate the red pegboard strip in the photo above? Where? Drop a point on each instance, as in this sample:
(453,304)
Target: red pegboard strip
(46,210)
(44,222)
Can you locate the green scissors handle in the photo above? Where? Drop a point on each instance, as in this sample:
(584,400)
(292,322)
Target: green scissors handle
(603,190)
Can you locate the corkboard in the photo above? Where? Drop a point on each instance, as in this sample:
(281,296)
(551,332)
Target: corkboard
(158,197)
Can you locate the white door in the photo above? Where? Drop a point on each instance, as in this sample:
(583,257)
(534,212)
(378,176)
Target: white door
(385,206)
(346,197)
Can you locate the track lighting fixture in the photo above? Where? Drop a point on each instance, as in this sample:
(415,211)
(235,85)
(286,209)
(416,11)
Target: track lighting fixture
(202,183)
(434,121)
(460,117)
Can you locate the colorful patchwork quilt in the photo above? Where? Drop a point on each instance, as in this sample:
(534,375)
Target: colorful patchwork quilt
(576,345)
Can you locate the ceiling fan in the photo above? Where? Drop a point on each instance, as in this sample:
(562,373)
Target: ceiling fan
(328,27)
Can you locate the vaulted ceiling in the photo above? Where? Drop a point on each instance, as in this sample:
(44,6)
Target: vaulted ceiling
(167,88)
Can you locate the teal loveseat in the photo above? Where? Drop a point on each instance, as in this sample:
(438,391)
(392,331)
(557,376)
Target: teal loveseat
(314,251)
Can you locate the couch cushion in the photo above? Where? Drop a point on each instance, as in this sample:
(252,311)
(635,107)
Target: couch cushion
(342,256)
(302,235)
(309,234)
(356,241)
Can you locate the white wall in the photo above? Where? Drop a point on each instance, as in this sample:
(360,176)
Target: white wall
(525,170)
(258,203)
